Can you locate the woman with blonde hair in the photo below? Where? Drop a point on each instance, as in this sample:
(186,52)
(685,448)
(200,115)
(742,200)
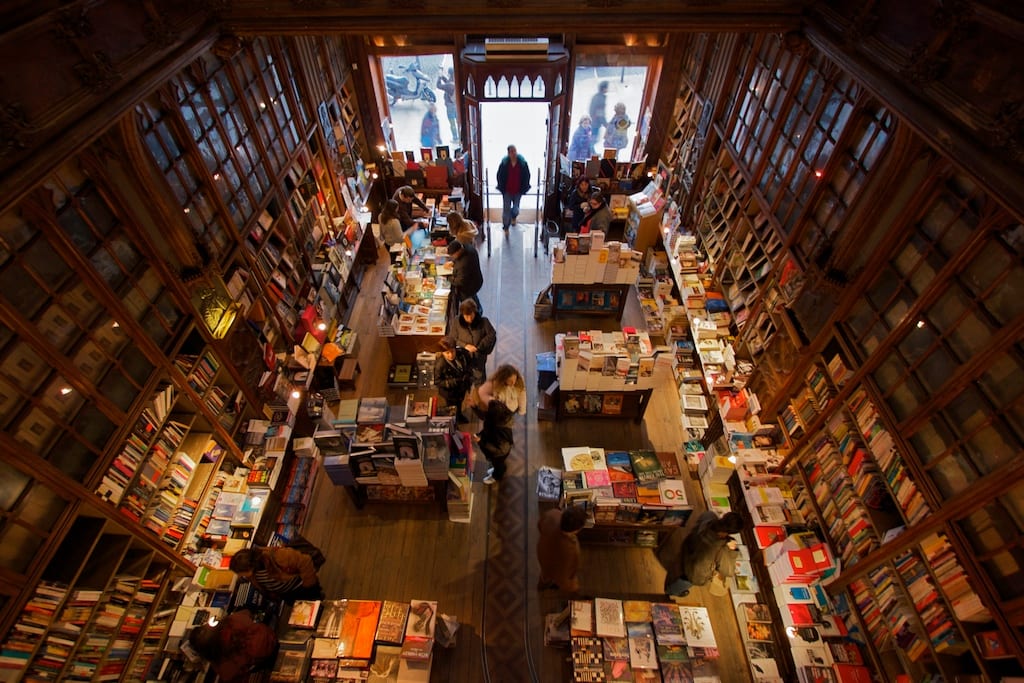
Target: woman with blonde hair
(461,229)
(499,399)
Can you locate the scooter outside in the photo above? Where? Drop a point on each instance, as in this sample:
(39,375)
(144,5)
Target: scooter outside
(397,84)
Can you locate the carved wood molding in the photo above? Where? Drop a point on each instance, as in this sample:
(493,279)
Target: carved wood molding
(13,128)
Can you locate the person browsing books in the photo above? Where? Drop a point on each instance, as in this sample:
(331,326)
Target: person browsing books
(578,199)
(476,334)
(390,224)
(498,400)
(558,548)
(467,278)
(406,197)
(599,216)
(708,552)
(453,375)
(278,573)
(236,646)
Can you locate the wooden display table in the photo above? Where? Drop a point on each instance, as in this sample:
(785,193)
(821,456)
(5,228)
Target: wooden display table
(603,404)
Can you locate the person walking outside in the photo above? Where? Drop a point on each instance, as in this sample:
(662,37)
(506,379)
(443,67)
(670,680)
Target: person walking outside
(446,84)
(582,146)
(430,128)
(617,135)
(558,548)
(499,399)
(453,375)
(707,553)
(467,278)
(476,334)
(513,182)
(598,107)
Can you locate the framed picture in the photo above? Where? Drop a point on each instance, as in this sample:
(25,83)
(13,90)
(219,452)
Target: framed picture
(410,155)
(406,447)
(443,153)
(426,154)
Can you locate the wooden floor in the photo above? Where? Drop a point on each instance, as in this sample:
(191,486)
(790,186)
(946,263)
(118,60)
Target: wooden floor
(484,573)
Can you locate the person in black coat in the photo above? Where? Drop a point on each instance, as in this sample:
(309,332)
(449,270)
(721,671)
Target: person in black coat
(578,199)
(476,334)
(453,375)
(467,278)
(406,197)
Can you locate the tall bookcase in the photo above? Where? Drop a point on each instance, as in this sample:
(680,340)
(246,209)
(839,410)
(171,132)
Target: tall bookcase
(145,296)
(880,318)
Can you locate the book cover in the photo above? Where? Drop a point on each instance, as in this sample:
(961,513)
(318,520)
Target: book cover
(289,666)
(610,618)
(351,675)
(422,618)
(373,410)
(304,613)
(384,668)
(391,625)
(358,629)
(642,649)
(646,466)
(615,648)
(325,668)
(325,648)
(612,404)
(669,464)
(332,613)
(637,610)
(668,623)
(582,618)
(755,611)
(417,648)
(697,626)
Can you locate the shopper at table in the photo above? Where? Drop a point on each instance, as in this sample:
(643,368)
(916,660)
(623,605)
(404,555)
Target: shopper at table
(578,199)
(278,573)
(599,216)
(406,197)
(467,278)
(708,553)
(558,548)
(236,646)
(476,334)
(453,375)
(390,224)
(461,229)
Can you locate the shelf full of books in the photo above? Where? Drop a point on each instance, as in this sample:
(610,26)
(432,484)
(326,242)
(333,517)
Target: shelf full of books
(632,497)
(635,640)
(83,619)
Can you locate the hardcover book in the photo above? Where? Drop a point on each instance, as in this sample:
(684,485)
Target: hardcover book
(304,613)
(642,649)
(422,618)
(610,619)
(332,613)
(646,466)
(391,626)
(668,623)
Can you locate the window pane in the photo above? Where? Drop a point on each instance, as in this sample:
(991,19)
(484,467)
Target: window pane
(18,547)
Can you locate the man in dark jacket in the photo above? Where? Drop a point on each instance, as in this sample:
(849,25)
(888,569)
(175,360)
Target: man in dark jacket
(707,550)
(453,372)
(475,333)
(406,197)
(467,278)
(513,182)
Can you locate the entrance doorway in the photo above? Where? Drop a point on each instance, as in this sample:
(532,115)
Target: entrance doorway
(525,125)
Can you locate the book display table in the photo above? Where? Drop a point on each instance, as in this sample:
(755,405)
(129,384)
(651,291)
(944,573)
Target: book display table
(593,299)
(633,497)
(413,314)
(350,640)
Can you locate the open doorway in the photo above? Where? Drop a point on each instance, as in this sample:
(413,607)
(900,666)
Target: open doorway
(525,125)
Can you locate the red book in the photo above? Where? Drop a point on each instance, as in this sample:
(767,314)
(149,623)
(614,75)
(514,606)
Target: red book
(852,673)
(800,613)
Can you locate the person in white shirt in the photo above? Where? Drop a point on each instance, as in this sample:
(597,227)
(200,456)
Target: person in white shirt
(500,398)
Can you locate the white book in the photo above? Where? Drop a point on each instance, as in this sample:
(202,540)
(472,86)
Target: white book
(609,618)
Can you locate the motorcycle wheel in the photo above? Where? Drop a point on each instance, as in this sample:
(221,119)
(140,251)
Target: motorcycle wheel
(429,95)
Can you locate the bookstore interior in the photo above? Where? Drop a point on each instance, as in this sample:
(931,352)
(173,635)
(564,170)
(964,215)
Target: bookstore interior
(807,309)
